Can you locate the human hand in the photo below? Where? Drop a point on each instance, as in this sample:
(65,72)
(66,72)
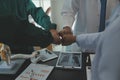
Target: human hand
(66,30)
(68,39)
(56,36)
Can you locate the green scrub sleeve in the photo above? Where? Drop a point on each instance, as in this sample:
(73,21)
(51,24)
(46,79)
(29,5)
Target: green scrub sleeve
(39,16)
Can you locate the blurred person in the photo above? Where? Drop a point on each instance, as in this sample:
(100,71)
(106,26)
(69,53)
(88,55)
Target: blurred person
(106,44)
(18,33)
(82,16)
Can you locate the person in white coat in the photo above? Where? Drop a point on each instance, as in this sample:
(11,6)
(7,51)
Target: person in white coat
(106,44)
(83,17)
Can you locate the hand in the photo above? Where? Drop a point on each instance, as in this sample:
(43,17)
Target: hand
(56,36)
(66,30)
(68,39)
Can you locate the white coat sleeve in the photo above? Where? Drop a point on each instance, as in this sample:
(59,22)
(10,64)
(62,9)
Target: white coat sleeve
(88,41)
(69,10)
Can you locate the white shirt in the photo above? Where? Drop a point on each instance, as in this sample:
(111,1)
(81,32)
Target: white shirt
(83,16)
(86,12)
(106,64)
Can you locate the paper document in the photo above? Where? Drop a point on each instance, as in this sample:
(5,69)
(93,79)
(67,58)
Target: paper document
(35,72)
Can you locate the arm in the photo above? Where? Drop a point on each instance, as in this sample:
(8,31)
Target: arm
(21,31)
(109,64)
(29,35)
(88,41)
(39,15)
(85,41)
(70,9)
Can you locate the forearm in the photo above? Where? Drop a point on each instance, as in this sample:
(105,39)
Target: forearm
(33,36)
(88,41)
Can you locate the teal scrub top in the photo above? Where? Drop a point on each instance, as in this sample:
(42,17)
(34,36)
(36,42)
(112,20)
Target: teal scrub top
(15,28)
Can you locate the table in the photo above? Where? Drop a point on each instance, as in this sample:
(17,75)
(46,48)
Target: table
(56,74)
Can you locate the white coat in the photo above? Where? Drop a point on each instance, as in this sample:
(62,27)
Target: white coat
(106,63)
(85,14)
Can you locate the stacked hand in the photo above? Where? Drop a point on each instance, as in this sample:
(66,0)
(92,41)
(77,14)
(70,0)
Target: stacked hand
(64,37)
(66,30)
(67,36)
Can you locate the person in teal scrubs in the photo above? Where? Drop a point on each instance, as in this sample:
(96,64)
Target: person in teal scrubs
(18,33)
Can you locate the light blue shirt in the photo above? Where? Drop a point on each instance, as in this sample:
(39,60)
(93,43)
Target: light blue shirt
(106,64)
